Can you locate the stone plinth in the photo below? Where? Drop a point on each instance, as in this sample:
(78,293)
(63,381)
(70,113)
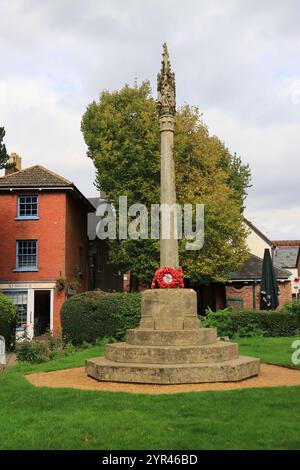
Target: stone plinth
(169,309)
(169,347)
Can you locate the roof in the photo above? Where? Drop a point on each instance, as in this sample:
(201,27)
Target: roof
(286,243)
(252,269)
(39,177)
(258,232)
(33,177)
(286,257)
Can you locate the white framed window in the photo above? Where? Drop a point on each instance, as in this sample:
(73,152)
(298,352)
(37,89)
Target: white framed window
(27,255)
(28,206)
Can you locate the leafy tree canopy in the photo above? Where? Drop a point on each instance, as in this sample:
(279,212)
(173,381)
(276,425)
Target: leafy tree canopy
(3,153)
(121,131)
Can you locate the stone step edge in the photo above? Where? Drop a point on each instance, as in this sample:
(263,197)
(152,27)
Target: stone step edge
(143,330)
(216,344)
(103,362)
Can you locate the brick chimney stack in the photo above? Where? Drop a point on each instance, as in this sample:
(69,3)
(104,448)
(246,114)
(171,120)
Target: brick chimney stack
(15,164)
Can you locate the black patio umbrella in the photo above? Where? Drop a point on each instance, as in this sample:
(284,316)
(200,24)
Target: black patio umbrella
(269,288)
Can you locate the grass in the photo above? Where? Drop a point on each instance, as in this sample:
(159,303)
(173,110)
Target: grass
(43,418)
(271,350)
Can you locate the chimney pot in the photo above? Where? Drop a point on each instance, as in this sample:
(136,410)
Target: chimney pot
(15,164)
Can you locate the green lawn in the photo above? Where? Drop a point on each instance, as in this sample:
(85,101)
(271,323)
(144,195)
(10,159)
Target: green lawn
(272,350)
(42,418)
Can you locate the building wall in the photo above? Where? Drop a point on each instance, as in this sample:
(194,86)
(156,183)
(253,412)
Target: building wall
(59,299)
(49,230)
(77,244)
(103,275)
(243,298)
(285,292)
(61,230)
(294,276)
(256,244)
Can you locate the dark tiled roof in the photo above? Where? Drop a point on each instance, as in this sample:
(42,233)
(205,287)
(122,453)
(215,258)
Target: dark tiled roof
(33,177)
(252,269)
(286,257)
(39,177)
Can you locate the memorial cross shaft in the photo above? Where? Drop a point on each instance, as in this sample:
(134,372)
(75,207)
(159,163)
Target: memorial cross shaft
(166,105)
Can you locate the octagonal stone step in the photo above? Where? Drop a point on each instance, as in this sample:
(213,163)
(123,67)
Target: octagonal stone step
(219,351)
(241,368)
(193,337)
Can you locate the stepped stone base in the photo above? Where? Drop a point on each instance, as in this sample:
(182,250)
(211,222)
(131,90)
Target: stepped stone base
(170,348)
(220,351)
(165,374)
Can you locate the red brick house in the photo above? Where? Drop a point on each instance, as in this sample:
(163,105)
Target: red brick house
(243,286)
(242,289)
(43,239)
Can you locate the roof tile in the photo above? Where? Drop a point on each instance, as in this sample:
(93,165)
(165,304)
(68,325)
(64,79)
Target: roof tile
(252,270)
(33,177)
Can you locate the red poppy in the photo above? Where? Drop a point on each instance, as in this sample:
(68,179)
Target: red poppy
(168,278)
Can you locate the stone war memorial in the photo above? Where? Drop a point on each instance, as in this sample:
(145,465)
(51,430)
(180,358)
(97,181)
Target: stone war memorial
(169,346)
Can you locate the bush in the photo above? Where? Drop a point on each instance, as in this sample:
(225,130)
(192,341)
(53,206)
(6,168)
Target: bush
(42,351)
(32,351)
(221,319)
(90,316)
(8,316)
(292,307)
(253,323)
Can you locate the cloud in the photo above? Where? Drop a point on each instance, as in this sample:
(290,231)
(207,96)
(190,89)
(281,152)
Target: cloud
(237,60)
(38,122)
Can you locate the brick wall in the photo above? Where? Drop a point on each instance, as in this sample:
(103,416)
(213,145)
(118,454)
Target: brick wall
(49,230)
(77,244)
(245,294)
(61,231)
(59,299)
(285,292)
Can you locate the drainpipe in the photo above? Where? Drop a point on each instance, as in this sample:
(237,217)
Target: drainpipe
(254,295)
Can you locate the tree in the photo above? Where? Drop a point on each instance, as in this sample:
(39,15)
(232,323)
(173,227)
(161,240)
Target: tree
(3,152)
(121,131)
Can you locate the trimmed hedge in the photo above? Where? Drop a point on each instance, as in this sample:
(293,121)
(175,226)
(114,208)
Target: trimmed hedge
(271,323)
(292,306)
(8,314)
(92,315)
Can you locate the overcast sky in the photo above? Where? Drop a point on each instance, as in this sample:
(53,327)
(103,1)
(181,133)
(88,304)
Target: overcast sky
(237,59)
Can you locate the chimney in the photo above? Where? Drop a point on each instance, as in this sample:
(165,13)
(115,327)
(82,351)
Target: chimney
(103,194)
(14,164)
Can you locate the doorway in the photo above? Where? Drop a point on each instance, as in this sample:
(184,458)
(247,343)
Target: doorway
(42,307)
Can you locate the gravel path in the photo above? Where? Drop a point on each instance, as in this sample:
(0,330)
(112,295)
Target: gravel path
(270,376)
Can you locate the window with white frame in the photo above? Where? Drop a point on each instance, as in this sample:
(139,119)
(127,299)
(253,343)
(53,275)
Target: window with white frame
(27,206)
(19,298)
(27,252)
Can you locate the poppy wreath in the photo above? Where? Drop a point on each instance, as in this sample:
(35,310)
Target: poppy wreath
(168,278)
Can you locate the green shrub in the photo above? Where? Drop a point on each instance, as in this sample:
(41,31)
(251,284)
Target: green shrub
(293,306)
(250,331)
(91,315)
(253,323)
(32,351)
(8,315)
(42,351)
(221,319)
(273,323)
